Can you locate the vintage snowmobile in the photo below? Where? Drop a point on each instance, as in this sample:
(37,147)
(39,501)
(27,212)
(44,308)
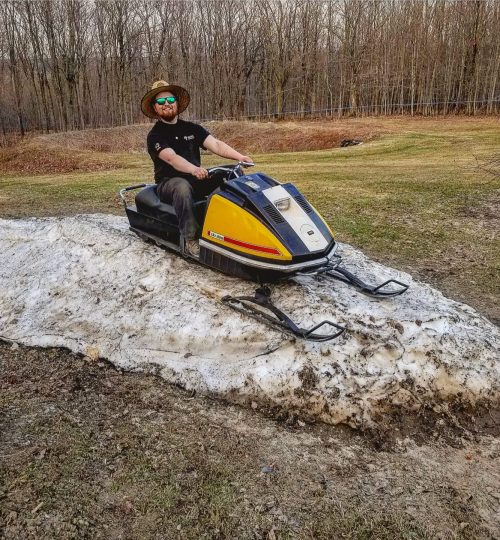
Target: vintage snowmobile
(255,228)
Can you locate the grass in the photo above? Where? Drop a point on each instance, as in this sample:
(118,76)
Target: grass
(413,197)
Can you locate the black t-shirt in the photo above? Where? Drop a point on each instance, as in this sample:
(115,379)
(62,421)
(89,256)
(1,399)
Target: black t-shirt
(185,139)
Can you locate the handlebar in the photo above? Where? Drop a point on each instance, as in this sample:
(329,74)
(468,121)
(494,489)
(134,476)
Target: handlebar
(235,169)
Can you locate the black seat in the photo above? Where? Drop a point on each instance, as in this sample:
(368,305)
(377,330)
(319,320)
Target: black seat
(148,203)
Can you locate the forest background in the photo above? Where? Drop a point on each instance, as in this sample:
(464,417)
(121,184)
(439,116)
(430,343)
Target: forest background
(74,64)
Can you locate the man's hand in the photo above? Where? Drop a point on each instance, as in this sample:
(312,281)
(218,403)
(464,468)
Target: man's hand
(246,159)
(200,173)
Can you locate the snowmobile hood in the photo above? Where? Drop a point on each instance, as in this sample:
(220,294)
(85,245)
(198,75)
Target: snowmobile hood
(262,208)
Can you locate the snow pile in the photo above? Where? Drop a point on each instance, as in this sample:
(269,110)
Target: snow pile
(89,284)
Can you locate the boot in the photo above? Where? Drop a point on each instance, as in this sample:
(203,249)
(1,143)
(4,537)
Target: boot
(192,248)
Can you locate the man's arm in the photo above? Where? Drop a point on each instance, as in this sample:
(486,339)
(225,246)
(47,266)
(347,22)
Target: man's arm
(224,150)
(182,165)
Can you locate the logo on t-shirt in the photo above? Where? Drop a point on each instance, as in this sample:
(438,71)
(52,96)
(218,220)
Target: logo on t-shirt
(157,146)
(188,137)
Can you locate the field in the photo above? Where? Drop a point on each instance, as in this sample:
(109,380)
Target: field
(89,452)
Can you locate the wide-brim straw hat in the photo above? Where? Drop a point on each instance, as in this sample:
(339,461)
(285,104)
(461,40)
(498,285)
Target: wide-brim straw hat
(182,95)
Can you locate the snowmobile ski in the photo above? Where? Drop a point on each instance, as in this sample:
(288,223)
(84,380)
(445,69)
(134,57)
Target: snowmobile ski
(259,306)
(387,289)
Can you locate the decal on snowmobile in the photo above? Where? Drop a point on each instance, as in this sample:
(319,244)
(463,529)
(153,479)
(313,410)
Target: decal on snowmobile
(216,235)
(240,243)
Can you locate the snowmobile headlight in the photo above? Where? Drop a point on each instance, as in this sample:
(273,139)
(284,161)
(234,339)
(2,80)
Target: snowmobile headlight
(282,204)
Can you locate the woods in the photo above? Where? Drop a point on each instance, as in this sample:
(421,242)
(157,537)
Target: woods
(73,64)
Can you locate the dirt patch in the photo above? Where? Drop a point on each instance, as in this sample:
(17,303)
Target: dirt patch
(91,452)
(452,425)
(487,211)
(264,137)
(308,378)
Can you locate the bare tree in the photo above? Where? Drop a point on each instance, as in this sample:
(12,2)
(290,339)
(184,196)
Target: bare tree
(67,64)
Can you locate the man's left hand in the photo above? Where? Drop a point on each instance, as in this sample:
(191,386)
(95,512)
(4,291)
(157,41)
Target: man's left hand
(246,159)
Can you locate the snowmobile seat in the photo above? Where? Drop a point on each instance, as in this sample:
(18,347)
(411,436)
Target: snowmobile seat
(149,204)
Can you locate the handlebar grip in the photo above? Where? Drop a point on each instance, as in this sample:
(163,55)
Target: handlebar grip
(137,186)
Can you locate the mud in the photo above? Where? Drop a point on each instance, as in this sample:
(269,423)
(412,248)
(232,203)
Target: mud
(91,451)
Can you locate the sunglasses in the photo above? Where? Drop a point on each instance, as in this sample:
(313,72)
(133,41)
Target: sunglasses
(163,100)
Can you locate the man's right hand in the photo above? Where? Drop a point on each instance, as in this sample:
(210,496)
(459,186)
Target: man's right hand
(200,173)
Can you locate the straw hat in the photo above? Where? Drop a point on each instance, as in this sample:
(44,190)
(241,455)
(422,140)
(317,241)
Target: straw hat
(147,103)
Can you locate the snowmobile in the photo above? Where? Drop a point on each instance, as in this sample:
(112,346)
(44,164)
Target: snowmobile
(255,228)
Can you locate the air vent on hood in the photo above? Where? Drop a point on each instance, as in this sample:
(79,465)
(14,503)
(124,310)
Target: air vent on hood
(303,203)
(274,214)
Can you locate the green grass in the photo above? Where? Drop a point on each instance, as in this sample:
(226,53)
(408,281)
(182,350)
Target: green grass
(415,199)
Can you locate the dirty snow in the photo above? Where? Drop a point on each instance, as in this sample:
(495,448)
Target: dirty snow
(89,284)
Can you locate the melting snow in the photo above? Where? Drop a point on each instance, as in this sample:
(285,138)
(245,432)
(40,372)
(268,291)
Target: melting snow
(89,284)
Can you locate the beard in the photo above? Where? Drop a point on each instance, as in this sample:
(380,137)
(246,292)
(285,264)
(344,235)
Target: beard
(167,114)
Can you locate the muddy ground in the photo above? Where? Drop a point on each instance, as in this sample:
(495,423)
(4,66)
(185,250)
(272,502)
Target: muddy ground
(91,452)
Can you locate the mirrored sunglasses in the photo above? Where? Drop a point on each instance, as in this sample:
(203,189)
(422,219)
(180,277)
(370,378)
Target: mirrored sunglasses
(163,100)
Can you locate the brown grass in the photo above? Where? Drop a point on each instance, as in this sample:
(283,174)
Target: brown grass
(32,157)
(256,137)
(114,140)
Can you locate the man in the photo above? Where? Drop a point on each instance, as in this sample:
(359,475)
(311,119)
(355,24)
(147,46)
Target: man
(174,146)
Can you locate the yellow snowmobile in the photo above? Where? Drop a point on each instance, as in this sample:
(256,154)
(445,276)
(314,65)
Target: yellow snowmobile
(254,228)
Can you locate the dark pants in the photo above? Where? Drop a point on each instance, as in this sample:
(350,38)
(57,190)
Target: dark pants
(182,193)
